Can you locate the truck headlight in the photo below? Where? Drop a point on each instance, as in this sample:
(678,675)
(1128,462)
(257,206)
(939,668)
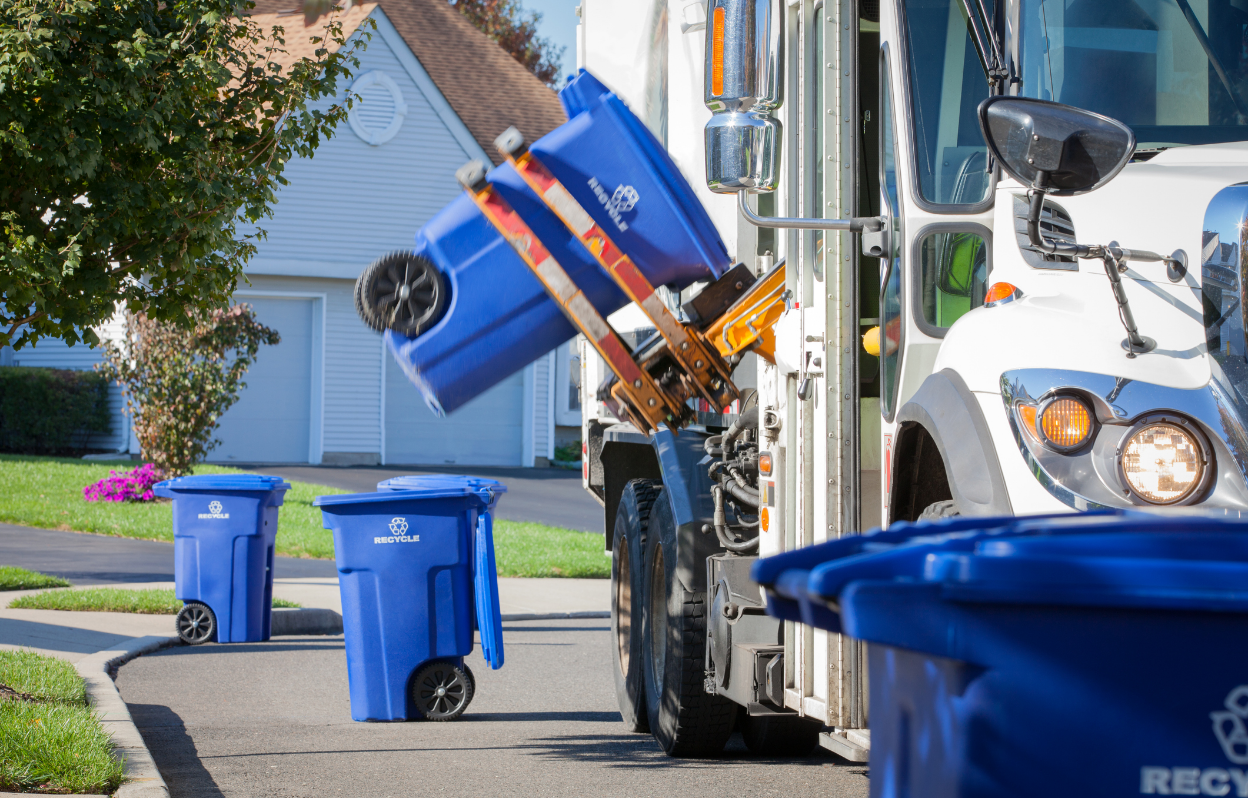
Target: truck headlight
(1163,461)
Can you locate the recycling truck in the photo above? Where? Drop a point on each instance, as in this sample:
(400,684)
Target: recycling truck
(957,337)
(837,264)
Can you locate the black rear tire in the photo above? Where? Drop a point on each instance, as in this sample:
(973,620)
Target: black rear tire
(685,720)
(627,571)
(403,292)
(196,623)
(939,510)
(780,736)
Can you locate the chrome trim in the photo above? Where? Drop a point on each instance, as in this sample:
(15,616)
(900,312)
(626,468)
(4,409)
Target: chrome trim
(1089,478)
(741,152)
(854,223)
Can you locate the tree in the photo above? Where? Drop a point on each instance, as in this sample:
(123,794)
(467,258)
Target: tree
(137,139)
(178,379)
(505,22)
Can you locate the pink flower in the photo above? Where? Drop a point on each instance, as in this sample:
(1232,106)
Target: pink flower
(133,485)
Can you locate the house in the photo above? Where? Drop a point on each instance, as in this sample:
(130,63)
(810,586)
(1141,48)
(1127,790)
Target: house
(435,93)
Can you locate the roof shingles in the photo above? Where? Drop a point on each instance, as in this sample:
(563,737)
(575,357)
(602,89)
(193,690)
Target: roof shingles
(487,88)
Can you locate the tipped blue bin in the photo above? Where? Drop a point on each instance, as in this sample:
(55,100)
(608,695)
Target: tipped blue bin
(224,529)
(499,318)
(411,569)
(1075,656)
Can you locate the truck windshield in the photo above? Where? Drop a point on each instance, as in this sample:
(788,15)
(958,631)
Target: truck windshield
(1176,71)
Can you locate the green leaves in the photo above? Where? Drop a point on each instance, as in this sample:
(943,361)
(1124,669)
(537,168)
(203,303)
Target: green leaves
(179,378)
(135,137)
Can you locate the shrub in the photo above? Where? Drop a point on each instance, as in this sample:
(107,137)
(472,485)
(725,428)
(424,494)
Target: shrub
(179,378)
(128,486)
(50,411)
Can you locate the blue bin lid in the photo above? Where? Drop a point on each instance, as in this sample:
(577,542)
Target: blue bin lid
(417,481)
(432,491)
(1107,559)
(211,482)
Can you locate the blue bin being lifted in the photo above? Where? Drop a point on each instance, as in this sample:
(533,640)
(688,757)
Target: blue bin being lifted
(499,318)
(414,567)
(1064,656)
(224,530)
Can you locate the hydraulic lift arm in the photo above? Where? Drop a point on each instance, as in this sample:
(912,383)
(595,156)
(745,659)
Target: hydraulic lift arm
(688,361)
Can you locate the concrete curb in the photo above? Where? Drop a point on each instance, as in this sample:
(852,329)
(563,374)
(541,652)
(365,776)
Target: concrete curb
(305,621)
(143,779)
(552,616)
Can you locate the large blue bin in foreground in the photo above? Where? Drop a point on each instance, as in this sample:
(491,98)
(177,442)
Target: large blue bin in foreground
(499,318)
(224,529)
(415,570)
(1096,656)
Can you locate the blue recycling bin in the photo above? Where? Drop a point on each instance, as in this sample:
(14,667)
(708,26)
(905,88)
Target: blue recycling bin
(224,529)
(415,569)
(499,317)
(1077,656)
(493,489)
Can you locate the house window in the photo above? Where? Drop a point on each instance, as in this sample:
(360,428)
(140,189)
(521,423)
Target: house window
(568,385)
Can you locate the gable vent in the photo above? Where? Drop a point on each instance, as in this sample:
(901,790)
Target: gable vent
(378,110)
(1056,226)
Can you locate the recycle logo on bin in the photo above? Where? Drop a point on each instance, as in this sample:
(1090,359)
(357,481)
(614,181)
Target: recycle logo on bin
(214,507)
(624,198)
(1229,726)
(398,526)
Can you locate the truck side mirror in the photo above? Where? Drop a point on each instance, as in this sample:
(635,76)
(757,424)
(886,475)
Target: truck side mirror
(1058,149)
(743,88)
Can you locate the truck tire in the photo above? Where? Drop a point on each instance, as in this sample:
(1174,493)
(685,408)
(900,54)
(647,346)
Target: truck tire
(938,510)
(631,521)
(685,720)
(780,736)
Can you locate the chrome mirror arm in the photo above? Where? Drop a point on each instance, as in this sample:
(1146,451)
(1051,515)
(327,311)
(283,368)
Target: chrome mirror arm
(856,224)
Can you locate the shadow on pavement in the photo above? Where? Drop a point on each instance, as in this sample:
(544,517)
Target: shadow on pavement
(530,717)
(53,637)
(330,644)
(174,752)
(510,629)
(640,751)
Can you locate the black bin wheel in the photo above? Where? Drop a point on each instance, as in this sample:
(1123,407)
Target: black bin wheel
(196,623)
(442,691)
(401,292)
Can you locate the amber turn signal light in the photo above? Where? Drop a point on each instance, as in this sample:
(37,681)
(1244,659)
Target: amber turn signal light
(764,464)
(1027,415)
(1066,423)
(764,519)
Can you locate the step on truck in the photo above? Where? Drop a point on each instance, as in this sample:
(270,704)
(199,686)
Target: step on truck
(995,255)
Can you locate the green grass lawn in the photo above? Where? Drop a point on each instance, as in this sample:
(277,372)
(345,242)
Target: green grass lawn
(46,492)
(14,578)
(50,739)
(112,599)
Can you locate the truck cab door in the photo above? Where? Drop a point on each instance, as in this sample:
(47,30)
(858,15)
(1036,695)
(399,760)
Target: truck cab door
(936,189)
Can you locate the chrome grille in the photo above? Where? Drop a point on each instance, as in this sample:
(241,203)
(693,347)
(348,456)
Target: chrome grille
(1055,225)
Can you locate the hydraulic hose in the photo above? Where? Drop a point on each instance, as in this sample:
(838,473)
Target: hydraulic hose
(721,527)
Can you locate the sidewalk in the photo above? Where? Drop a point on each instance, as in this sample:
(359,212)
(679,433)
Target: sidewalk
(75,635)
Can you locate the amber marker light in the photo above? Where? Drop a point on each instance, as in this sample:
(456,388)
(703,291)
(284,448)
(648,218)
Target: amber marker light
(1000,292)
(1066,423)
(764,519)
(1027,414)
(764,464)
(717,52)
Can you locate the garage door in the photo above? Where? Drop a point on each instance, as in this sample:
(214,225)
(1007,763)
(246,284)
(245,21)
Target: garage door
(486,431)
(271,421)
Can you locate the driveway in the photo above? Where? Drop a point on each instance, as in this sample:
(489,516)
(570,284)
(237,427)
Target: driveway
(551,496)
(273,719)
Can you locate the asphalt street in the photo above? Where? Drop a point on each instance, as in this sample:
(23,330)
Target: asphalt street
(273,719)
(101,559)
(551,496)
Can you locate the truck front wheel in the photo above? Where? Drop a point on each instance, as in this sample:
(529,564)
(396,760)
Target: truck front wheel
(631,522)
(684,719)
